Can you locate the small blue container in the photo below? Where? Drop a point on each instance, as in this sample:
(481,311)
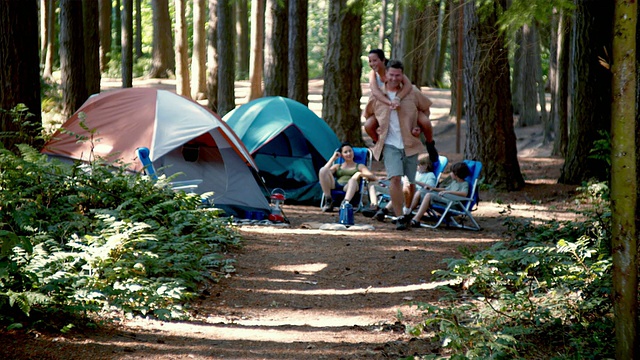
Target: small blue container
(346,213)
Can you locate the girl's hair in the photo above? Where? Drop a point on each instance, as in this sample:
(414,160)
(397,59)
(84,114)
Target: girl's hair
(426,161)
(380,55)
(461,170)
(346,143)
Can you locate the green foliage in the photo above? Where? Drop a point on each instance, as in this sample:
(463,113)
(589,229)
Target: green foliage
(602,151)
(550,284)
(92,238)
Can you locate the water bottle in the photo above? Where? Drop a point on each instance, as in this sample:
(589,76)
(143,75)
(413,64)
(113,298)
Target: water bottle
(346,213)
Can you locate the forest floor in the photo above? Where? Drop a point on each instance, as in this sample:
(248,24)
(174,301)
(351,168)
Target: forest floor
(303,293)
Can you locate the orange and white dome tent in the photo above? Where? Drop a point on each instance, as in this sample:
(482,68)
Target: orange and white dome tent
(182,136)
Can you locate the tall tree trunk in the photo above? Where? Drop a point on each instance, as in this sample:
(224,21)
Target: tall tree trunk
(518,74)
(49,51)
(342,70)
(410,20)
(44,29)
(138,22)
(397,49)
(105,33)
(163,63)
(127,43)
(553,68)
(256,58)
(382,33)
(199,57)
(19,71)
(542,97)
(591,91)
(561,110)
(456,27)
(624,185)
(442,47)
(298,72)
(91,19)
(212,56)
(275,48)
(117,27)
(490,137)
(242,29)
(182,50)
(528,65)
(226,62)
(431,50)
(72,63)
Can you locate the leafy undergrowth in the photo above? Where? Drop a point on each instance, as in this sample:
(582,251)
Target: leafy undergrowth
(545,293)
(95,240)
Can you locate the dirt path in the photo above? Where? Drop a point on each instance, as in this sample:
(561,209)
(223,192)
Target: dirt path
(311,294)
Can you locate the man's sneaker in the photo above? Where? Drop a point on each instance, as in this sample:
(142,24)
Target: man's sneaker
(381,214)
(328,205)
(402,222)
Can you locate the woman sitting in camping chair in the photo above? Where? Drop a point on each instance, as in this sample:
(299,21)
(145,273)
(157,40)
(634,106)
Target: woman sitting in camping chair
(344,176)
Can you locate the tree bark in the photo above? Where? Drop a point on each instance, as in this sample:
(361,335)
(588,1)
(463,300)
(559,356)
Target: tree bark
(212,56)
(624,185)
(127,43)
(105,33)
(397,50)
(199,57)
(382,33)
(442,47)
(561,109)
(591,91)
(518,74)
(163,63)
(455,27)
(256,58)
(49,50)
(117,27)
(490,136)
(91,19)
(527,67)
(226,62)
(275,48)
(72,62)
(242,29)
(138,21)
(182,50)
(19,71)
(342,70)
(298,72)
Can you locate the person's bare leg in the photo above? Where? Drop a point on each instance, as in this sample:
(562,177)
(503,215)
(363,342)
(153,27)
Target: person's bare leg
(424,206)
(415,200)
(327,183)
(371,128)
(350,189)
(395,192)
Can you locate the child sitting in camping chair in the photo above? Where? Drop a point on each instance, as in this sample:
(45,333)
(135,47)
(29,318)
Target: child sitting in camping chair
(458,187)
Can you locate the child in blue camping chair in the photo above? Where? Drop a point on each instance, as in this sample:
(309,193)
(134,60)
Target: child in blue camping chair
(344,176)
(459,187)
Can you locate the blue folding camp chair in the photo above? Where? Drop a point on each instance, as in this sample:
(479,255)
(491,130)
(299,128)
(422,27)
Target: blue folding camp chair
(143,155)
(457,212)
(361,156)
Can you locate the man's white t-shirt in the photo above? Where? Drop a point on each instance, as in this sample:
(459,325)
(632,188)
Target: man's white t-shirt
(394,136)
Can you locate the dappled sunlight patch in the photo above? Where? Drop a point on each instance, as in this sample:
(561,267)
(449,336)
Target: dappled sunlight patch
(362,291)
(304,269)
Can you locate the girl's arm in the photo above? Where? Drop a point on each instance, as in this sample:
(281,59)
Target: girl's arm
(406,87)
(330,164)
(376,92)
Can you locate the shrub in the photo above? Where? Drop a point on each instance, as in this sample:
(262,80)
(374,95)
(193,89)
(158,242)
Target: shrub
(549,285)
(87,238)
